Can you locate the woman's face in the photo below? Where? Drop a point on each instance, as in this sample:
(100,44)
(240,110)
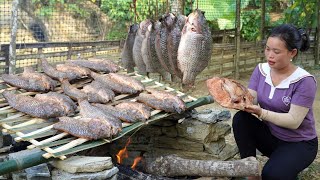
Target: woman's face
(277,54)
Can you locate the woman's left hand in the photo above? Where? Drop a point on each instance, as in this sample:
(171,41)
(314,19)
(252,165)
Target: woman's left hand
(255,109)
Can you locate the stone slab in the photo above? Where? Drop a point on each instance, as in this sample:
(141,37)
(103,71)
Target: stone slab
(58,174)
(76,164)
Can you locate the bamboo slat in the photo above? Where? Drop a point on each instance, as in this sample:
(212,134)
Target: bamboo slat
(57,145)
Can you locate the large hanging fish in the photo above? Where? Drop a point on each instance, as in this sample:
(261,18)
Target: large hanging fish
(195,47)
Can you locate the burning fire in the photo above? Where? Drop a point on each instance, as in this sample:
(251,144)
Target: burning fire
(123,153)
(136,161)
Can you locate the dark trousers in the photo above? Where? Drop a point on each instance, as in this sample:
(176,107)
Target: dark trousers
(286,159)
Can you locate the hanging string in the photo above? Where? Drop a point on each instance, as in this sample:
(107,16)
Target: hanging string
(156,10)
(134,2)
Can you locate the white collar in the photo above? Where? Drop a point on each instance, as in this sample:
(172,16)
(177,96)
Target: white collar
(297,75)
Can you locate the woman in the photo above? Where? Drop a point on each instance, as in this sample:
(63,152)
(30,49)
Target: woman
(281,124)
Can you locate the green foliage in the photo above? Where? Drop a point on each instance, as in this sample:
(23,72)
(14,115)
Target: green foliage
(118,31)
(47,7)
(222,11)
(251,21)
(302,13)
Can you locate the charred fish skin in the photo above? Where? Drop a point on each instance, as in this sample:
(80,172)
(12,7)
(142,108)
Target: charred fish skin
(87,128)
(126,54)
(65,101)
(167,105)
(128,81)
(53,73)
(24,83)
(138,111)
(195,47)
(97,93)
(94,65)
(71,68)
(112,84)
(47,82)
(116,112)
(89,111)
(113,67)
(33,107)
(178,104)
(72,91)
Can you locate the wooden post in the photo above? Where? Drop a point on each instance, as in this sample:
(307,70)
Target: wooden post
(40,54)
(14,28)
(317,47)
(238,31)
(263,19)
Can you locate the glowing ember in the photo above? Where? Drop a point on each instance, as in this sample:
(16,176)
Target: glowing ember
(136,161)
(123,153)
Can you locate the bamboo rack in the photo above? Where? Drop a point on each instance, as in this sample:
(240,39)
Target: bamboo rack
(59,144)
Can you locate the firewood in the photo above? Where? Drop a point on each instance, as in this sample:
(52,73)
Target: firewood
(173,165)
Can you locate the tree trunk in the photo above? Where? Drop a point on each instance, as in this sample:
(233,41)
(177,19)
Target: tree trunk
(173,165)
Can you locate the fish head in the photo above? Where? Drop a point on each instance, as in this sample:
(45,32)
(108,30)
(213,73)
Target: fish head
(181,20)
(196,22)
(144,25)
(168,20)
(133,28)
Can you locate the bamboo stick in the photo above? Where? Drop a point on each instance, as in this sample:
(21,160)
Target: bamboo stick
(65,147)
(33,133)
(51,139)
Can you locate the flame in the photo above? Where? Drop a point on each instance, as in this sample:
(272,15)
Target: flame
(136,161)
(123,153)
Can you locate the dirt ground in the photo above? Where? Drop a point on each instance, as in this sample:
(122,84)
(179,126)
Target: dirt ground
(313,171)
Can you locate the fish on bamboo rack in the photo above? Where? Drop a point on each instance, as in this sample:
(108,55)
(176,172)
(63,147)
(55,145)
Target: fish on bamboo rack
(162,100)
(55,74)
(88,128)
(30,81)
(33,106)
(130,112)
(65,101)
(73,92)
(89,111)
(97,65)
(229,93)
(122,84)
(97,93)
(109,109)
(72,68)
(113,67)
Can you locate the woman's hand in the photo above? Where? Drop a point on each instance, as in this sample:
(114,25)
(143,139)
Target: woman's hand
(255,109)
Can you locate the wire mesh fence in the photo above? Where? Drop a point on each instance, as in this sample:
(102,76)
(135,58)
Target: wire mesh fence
(60,21)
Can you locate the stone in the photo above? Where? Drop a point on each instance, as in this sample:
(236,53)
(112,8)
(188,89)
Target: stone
(178,143)
(228,152)
(202,132)
(170,131)
(212,115)
(215,147)
(58,174)
(40,171)
(76,164)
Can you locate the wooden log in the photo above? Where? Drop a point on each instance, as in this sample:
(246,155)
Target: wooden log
(173,165)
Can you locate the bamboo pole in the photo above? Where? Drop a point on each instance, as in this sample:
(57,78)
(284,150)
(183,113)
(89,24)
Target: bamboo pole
(14,28)
(238,31)
(263,19)
(317,58)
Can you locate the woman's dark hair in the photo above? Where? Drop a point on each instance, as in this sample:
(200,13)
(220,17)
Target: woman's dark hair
(293,37)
